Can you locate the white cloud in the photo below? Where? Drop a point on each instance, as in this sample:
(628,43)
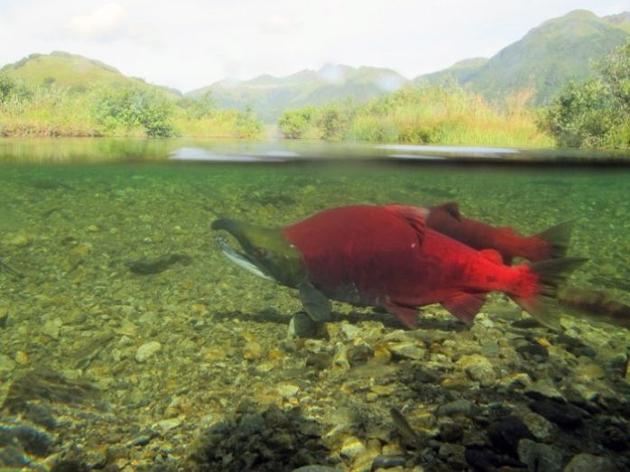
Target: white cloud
(105,21)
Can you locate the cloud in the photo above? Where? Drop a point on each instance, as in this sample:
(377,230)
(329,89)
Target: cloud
(106,21)
(279,25)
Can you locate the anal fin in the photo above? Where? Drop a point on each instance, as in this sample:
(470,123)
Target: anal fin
(406,314)
(464,306)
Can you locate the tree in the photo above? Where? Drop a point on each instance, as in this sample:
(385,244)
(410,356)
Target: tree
(595,113)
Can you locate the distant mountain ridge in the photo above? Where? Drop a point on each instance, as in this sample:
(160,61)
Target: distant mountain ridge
(545,59)
(269,96)
(73,71)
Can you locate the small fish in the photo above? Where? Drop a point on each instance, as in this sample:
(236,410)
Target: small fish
(595,305)
(550,244)
(387,257)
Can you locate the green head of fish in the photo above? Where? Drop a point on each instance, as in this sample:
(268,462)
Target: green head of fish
(265,251)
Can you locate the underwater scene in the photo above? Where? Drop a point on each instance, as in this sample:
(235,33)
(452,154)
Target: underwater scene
(436,309)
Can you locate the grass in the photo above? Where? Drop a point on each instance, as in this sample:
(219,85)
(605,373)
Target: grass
(423,115)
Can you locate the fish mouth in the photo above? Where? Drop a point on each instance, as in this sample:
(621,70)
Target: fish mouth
(240,259)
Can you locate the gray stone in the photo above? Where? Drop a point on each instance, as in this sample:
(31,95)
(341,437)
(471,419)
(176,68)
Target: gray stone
(407,350)
(457,407)
(539,457)
(589,463)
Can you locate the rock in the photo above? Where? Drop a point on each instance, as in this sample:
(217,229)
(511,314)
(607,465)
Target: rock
(147,350)
(539,457)
(540,427)
(340,359)
(589,463)
(352,447)
(388,462)
(505,433)
(287,390)
(533,352)
(21,358)
(350,331)
(451,432)
(457,407)
(454,454)
(543,388)
(252,351)
(51,328)
(407,350)
(478,368)
(560,413)
(166,425)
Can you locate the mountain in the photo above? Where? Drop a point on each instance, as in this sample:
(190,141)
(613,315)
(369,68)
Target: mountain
(269,96)
(545,59)
(72,71)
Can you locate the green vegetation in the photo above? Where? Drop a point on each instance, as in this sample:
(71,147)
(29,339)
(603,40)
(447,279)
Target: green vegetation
(421,115)
(594,113)
(544,60)
(67,95)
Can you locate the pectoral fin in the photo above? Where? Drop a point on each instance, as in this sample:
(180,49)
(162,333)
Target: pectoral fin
(406,314)
(464,306)
(315,303)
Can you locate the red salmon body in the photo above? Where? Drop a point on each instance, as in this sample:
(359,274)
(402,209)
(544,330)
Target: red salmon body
(386,256)
(547,245)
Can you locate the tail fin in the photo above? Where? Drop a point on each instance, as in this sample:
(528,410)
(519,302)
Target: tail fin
(543,304)
(555,239)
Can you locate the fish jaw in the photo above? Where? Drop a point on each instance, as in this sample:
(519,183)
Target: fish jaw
(240,259)
(265,252)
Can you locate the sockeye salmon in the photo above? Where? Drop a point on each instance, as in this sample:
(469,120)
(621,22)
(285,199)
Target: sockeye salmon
(387,257)
(549,244)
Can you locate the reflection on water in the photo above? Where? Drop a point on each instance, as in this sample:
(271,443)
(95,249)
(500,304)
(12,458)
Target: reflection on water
(128,340)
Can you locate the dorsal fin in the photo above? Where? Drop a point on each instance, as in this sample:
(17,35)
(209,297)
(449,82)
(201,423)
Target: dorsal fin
(415,216)
(452,208)
(492,255)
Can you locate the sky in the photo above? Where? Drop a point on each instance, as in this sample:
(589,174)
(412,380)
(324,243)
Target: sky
(188,44)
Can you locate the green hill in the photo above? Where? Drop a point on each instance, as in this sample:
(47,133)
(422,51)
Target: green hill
(72,71)
(545,59)
(269,96)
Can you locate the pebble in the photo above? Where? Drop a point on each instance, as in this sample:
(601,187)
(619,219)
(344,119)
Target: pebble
(352,447)
(166,425)
(540,427)
(407,350)
(252,351)
(478,368)
(51,328)
(544,388)
(506,433)
(287,390)
(539,457)
(147,350)
(457,407)
(21,358)
(589,463)
(454,454)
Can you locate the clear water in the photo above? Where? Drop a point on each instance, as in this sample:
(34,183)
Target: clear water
(75,216)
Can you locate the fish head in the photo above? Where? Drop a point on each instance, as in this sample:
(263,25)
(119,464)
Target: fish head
(263,251)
